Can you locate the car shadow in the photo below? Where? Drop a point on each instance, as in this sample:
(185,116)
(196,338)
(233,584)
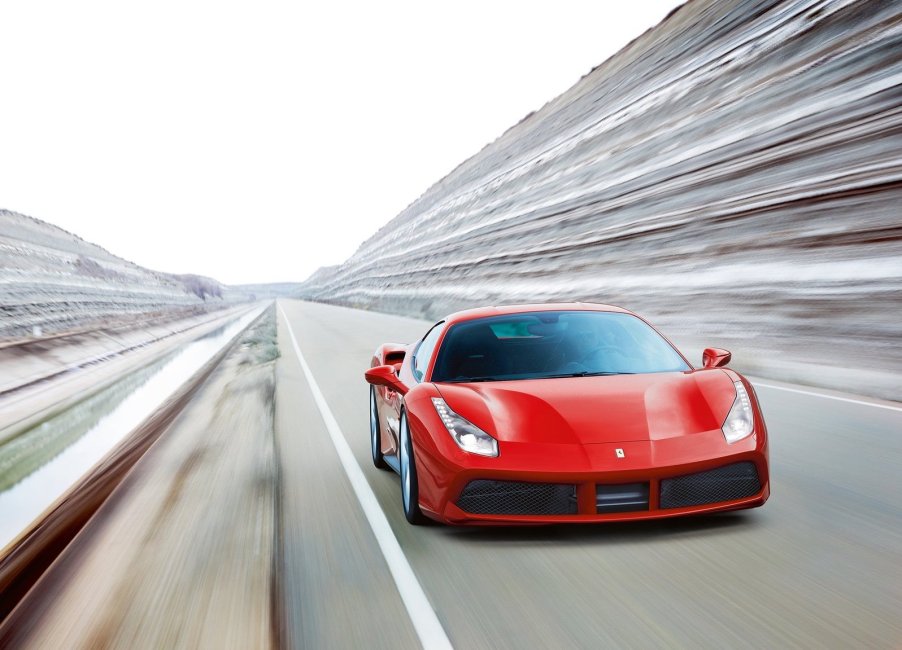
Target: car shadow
(611,532)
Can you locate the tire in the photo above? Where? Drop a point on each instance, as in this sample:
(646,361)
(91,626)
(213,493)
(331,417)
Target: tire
(410,492)
(376,433)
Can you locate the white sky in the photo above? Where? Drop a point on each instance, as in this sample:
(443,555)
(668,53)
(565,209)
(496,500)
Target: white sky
(255,142)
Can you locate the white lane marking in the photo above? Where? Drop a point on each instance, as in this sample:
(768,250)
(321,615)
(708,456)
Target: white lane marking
(425,621)
(837,398)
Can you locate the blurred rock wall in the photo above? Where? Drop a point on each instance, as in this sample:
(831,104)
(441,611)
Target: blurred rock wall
(734,174)
(52,281)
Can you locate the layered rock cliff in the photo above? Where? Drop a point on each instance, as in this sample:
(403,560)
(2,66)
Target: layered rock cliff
(52,282)
(735,174)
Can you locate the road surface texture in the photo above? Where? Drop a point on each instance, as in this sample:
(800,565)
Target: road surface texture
(246,526)
(181,554)
(820,565)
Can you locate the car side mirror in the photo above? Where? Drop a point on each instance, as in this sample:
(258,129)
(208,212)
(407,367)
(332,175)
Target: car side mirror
(385,376)
(715,357)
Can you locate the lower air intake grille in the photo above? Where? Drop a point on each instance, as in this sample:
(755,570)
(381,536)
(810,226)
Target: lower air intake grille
(628,497)
(484,497)
(726,483)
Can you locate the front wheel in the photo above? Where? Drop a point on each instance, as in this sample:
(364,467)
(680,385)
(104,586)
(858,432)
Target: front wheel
(410,492)
(375,433)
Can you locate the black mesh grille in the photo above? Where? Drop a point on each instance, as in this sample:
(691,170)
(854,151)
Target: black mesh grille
(735,481)
(484,497)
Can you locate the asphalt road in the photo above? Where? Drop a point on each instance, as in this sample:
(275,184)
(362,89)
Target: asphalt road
(820,565)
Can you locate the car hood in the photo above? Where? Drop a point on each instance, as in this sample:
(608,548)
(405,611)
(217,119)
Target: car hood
(589,410)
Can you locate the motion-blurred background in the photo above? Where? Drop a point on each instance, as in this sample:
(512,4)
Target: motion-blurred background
(733,174)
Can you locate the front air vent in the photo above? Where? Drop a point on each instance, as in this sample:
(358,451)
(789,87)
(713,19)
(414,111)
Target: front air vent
(727,483)
(485,497)
(623,497)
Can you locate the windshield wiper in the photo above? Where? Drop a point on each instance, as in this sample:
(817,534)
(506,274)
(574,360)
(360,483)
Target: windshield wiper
(586,373)
(466,380)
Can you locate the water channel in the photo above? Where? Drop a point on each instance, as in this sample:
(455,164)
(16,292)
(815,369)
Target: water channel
(75,440)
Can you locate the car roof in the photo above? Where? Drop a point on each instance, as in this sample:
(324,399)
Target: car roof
(505,310)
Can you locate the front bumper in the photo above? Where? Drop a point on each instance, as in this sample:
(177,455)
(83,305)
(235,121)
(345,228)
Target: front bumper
(524,502)
(653,479)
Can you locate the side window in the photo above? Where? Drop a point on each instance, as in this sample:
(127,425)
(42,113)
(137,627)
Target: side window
(424,351)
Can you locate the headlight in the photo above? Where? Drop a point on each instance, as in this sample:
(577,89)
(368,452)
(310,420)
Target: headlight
(740,421)
(467,435)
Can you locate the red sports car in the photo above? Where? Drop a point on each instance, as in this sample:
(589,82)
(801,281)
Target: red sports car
(562,413)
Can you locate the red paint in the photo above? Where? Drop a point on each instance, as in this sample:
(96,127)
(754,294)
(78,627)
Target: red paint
(567,430)
(715,357)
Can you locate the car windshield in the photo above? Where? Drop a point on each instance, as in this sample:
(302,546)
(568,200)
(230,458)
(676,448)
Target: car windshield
(540,345)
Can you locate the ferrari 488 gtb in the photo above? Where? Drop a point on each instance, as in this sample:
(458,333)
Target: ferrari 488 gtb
(562,413)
